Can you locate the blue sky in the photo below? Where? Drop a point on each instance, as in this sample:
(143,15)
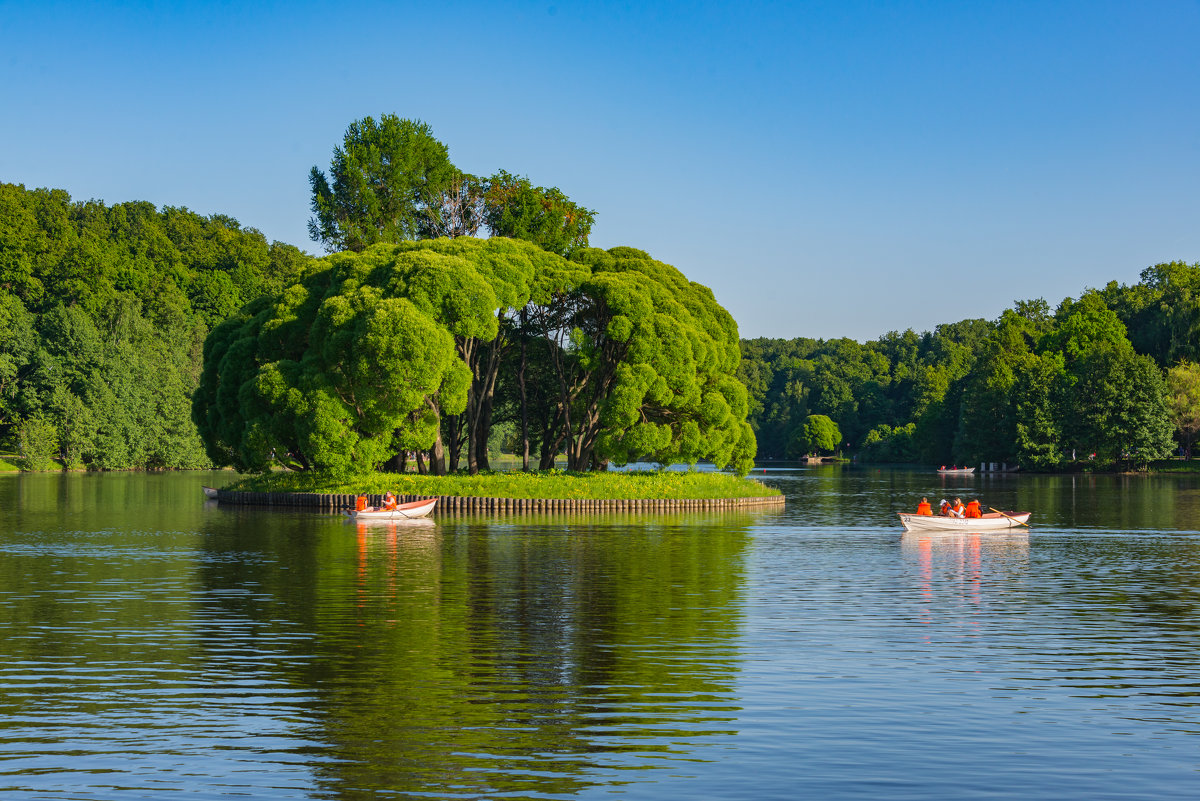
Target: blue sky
(829,169)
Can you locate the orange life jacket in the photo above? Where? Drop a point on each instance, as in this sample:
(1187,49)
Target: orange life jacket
(973,509)
(958,509)
(923,508)
(360,503)
(389,501)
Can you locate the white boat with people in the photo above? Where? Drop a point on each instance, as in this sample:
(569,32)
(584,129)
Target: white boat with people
(991,521)
(962,471)
(412,510)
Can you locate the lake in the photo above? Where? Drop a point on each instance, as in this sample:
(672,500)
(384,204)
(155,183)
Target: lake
(157,645)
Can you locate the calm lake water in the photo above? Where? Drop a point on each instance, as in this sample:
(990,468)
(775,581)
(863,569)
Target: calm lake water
(155,645)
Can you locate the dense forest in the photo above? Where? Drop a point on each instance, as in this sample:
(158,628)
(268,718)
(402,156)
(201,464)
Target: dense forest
(1111,376)
(103,312)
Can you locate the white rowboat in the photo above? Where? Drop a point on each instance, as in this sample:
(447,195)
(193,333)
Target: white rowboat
(963,471)
(989,522)
(404,511)
(209,492)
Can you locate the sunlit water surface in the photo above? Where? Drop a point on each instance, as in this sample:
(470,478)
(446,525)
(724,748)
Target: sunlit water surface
(155,645)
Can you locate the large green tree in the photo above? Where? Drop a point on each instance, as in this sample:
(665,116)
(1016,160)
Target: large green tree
(514,207)
(1183,403)
(646,364)
(386,182)
(819,435)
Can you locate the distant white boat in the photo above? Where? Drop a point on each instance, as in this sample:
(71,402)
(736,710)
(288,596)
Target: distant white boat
(966,471)
(404,511)
(209,492)
(989,522)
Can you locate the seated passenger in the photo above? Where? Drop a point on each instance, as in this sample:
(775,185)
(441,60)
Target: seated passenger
(923,508)
(389,501)
(973,509)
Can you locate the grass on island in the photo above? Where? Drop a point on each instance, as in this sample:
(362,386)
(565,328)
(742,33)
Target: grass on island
(633,485)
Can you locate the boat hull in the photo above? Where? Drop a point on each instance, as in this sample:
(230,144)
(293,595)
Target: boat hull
(989,522)
(962,471)
(405,511)
(209,492)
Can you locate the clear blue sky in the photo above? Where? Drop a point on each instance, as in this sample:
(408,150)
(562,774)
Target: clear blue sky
(828,168)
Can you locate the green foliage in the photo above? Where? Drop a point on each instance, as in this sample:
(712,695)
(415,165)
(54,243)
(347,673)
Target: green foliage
(652,365)
(364,358)
(1117,408)
(1161,312)
(901,378)
(1183,402)
(886,444)
(37,442)
(819,435)
(514,207)
(381,182)
(1033,388)
(110,358)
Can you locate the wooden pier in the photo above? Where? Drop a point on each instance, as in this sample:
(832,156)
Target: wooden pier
(458,504)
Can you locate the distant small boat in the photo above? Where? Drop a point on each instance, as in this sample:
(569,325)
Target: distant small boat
(991,521)
(404,511)
(209,492)
(965,471)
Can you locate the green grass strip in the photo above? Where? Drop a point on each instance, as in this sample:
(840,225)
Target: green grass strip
(665,484)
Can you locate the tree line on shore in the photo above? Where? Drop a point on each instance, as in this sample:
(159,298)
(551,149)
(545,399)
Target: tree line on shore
(1111,375)
(103,313)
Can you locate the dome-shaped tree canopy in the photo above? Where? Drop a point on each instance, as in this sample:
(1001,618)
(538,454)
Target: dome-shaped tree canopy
(378,352)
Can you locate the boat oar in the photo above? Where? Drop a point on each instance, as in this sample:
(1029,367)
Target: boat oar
(1015,520)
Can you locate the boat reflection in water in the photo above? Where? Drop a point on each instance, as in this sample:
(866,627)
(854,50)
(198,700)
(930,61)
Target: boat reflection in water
(960,576)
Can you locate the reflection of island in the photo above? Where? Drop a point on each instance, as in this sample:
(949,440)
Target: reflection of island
(954,569)
(510,658)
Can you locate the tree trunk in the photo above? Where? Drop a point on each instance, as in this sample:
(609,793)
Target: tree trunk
(524,406)
(485,428)
(550,443)
(454,443)
(421,462)
(437,458)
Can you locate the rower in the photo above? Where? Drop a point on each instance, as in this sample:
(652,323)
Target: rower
(923,508)
(360,503)
(973,509)
(389,501)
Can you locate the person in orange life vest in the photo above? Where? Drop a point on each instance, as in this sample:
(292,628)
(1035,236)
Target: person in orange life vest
(389,501)
(923,507)
(973,509)
(958,509)
(944,508)
(360,503)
